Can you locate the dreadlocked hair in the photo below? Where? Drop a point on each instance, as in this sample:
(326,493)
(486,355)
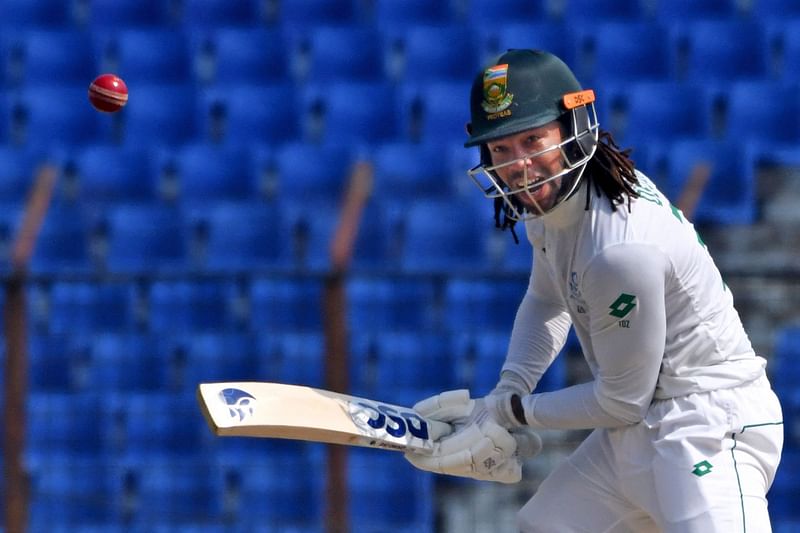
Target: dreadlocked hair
(611,172)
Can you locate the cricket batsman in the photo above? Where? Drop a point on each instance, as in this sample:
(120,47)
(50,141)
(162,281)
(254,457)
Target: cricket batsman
(687,432)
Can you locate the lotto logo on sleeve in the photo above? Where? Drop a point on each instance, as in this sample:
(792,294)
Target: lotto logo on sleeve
(623,305)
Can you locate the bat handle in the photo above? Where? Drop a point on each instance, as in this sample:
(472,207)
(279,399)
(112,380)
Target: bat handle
(529,443)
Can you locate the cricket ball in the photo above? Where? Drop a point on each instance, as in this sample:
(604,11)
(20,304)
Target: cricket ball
(108,93)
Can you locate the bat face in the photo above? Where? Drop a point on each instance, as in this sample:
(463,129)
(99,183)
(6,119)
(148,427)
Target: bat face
(277,410)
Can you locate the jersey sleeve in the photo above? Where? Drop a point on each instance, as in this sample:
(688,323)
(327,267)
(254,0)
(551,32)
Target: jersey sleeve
(624,287)
(540,329)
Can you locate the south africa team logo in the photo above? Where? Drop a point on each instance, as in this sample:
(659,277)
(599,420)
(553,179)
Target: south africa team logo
(496,97)
(240,403)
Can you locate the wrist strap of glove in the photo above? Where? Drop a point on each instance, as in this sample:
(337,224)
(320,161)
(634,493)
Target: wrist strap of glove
(518,410)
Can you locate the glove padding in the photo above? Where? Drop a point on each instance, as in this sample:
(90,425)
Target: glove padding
(479,447)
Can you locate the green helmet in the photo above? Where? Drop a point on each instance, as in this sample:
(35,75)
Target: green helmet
(527,89)
(523,89)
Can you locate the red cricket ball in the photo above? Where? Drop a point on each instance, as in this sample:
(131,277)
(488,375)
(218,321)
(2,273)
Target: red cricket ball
(108,93)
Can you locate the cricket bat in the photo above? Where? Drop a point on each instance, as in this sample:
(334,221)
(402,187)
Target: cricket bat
(277,410)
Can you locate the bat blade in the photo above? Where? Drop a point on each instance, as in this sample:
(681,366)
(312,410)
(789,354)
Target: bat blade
(277,410)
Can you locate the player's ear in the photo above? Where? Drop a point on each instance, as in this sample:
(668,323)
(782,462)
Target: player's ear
(468,128)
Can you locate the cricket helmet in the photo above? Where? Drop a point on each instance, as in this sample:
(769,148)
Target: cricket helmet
(526,89)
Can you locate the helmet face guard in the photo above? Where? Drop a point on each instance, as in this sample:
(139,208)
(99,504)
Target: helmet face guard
(580,131)
(525,90)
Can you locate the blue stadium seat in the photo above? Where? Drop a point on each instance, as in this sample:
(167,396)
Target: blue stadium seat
(481,357)
(374,247)
(57,362)
(62,246)
(783,368)
(385,489)
(329,115)
(64,423)
(231,56)
(660,111)
(35,14)
(243,236)
(248,114)
(407,365)
(409,170)
(145,238)
(620,52)
(774,10)
(425,54)
(481,304)
(187,306)
(783,61)
(160,114)
(217,13)
(125,362)
(146,425)
(783,494)
(686,10)
(163,488)
(458,161)
(285,305)
(39,56)
(719,51)
(513,257)
(18,167)
(108,174)
(550,35)
(5,118)
(762,111)
(296,357)
(222,356)
(729,196)
(443,236)
(596,10)
(380,304)
(265,494)
(143,56)
(394,14)
(68,491)
(504,12)
(311,172)
(436,111)
(295,14)
(108,14)
(207,173)
(310,229)
(85,307)
(33,120)
(337,53)
(10,219)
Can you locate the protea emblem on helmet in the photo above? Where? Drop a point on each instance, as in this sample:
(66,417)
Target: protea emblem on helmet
(496,97)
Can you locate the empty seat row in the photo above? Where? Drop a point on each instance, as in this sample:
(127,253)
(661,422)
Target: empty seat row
(171,116)
(137,491)
(391,366)
(432,235)
(204,13)
(701,51)
(282,489)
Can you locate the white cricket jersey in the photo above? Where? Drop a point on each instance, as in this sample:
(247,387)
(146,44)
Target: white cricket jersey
(654,318)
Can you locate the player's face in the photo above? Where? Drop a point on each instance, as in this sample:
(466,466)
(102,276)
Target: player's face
(524,162)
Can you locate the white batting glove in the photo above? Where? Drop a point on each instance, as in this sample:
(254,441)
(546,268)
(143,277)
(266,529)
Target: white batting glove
(480,451)
(480,448)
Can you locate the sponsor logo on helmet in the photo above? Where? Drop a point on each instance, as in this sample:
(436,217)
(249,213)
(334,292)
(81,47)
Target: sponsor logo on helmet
(496,97)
